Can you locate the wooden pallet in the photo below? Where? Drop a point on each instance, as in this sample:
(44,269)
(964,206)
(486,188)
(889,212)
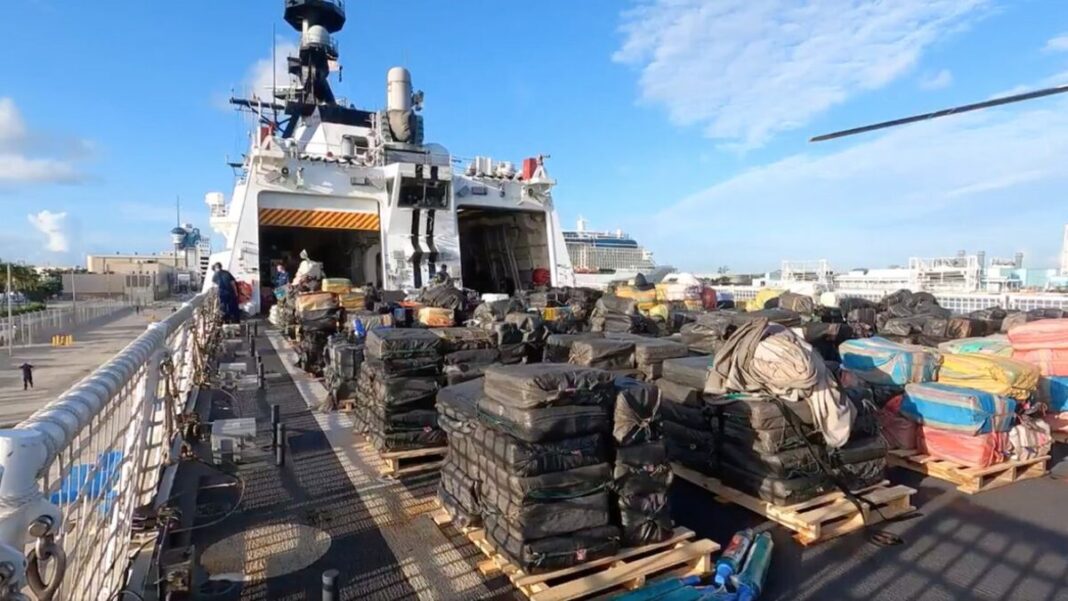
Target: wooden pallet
(823,518)
(629,569)
(397,464)
(969,480)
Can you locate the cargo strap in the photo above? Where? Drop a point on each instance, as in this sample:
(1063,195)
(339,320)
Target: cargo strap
(880,538)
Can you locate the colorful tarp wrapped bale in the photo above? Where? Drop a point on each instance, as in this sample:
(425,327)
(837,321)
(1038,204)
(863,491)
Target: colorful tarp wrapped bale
(762,297)
(997,375)
(880,361)
(1044,343)
(958,409)
(1053,391)
(995,344)
(972,450)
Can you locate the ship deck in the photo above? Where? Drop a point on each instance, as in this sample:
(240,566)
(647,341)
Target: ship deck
(328,508)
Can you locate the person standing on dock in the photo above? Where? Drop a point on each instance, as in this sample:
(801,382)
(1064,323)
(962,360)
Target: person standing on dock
(27,375)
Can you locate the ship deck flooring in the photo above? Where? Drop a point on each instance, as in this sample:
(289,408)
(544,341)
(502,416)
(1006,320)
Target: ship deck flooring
(330,501)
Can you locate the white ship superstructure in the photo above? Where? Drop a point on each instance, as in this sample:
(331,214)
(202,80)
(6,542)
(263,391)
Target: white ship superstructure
(365,194)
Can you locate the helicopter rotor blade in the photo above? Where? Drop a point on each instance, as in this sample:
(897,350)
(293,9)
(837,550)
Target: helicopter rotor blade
(944,112)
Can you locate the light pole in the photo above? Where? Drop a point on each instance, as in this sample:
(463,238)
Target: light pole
(10,320)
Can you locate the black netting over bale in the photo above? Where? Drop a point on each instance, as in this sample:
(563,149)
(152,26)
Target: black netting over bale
(774,490)
(688,371)
(464,372)
(794,463)
(544,424)
(460,486)
(498,483)
(555,553)
(759,412)
(646,519)
(632,477)
(402,343)
(603,353)
(397,391)
(460,402)
(636,416)
(443,296)
(522,458)
(542,385)
(461,516)
(698,417)
(558,346)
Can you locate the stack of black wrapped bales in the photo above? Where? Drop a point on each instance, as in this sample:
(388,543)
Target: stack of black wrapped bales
(687,424)
(397,385)
(544,468)
(467,352)
(458,418)
(642,473)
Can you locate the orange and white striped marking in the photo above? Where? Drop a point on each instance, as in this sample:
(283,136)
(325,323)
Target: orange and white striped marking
(322,219)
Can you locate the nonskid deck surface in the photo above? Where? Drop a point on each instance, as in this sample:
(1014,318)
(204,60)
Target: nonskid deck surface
(329,508)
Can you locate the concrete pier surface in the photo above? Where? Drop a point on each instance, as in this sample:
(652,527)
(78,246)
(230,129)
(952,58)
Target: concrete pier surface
(58,368)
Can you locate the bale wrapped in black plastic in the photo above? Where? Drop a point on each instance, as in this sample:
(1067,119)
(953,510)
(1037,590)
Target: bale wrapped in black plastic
(553,553)
(463,366)
(542,519)
(689,371)
(791,301)
(404,441)
(495,311)
(641,479)
(454,340)
(458,493)
(558,346)
(402,343)
(680,394)
(603,353)
(343,358)
(500,486)
(615,314)
(458,418)
(694,448)
(553,297)
(312,350)
(399,391)
(757,423)
(522,458)
(636,415)
(442,296)
(547,384)
(825,337)
(708,332)
(545,423)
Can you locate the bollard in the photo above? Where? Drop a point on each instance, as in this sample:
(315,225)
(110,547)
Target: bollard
(280,449)
(330,585)
(276,418)
(259,375)
(256,329)
(252,347)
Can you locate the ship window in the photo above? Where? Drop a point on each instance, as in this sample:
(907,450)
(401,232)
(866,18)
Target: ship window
(419,193)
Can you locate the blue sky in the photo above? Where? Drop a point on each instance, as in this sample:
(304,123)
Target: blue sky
(683,122)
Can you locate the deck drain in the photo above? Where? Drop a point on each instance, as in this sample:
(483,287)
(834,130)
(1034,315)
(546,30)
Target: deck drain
(264,552)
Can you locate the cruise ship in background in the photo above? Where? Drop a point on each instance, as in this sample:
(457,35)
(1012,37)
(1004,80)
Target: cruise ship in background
(601,257)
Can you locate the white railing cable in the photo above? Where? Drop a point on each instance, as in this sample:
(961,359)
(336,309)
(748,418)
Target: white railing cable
(73,473)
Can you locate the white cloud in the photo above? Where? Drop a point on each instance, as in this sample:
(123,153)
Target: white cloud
(1057,44)
(12,127)
(53,226)
(260,78)
(18,163)
(745,70)
(991,180)
(937,81)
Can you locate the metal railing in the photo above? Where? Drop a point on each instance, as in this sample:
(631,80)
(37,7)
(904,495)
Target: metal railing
(34,327)
(72,474)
